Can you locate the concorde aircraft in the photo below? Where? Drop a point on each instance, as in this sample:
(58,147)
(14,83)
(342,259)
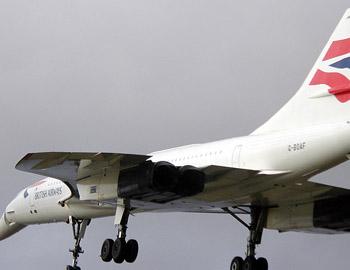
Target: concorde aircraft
(267,174)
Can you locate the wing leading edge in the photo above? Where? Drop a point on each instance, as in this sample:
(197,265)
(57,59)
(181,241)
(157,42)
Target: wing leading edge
(73,166)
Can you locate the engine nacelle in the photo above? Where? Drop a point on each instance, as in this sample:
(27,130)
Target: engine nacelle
(323,216)
(160,177)
(191,181)
(146,178)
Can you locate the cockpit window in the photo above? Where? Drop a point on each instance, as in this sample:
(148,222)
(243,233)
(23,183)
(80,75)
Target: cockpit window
(25,194)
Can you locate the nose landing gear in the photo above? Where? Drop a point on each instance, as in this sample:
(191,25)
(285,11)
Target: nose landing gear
(258,217)
(79,228)
(120,250)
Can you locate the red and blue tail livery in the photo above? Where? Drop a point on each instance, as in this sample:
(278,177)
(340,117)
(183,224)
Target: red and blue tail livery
(337,81)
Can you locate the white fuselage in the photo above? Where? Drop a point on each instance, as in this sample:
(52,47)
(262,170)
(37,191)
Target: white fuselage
(302,151)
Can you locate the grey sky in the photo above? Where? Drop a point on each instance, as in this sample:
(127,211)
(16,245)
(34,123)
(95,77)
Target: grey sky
(138,76)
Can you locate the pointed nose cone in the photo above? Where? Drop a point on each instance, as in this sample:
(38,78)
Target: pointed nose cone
(7,229)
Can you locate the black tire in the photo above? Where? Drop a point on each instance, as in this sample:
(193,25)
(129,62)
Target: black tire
(262,264)
(69,267)
(249,263)
(131,251)
(237,263)
(118,250)
(106,250)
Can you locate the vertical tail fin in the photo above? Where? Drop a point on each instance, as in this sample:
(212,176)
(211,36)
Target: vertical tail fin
(324,97)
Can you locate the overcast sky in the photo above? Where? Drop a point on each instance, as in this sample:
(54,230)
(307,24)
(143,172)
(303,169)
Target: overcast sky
(143,75)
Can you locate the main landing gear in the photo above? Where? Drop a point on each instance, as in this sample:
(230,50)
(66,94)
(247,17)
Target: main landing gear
(120,250)
(79,228)
(258,217)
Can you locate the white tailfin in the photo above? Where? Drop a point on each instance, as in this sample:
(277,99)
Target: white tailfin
(324,96)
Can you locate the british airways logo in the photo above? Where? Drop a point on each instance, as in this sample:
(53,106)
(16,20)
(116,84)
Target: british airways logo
(339,83)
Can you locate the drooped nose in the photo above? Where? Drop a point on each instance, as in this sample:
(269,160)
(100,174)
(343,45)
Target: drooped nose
(7,229)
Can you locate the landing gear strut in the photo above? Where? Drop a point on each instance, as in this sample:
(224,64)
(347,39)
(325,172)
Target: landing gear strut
(120,250)
(258,217)
(79,228)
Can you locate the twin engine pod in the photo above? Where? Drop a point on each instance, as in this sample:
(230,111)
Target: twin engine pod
(161,177)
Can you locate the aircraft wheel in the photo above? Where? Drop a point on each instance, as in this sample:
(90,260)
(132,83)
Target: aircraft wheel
(237,263)
(106,250)
(262,264)
(118,250)
(250,263)
(131,250)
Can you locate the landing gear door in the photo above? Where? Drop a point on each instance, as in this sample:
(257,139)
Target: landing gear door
(236,156)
